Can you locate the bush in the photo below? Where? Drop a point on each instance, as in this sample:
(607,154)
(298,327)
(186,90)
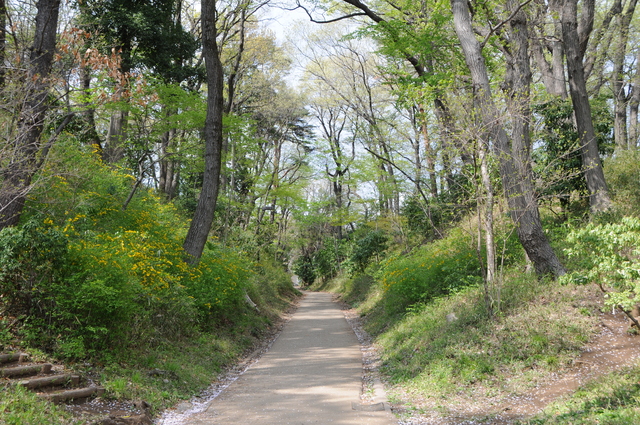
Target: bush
(608,254)
(303,267)
(31,262)
(218,284)
(327,259)
(623,177)
(440,268)
(374,242)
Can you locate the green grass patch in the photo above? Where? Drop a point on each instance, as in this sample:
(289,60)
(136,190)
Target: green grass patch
(531,337)
(613,399)
(433,363)
(19,406)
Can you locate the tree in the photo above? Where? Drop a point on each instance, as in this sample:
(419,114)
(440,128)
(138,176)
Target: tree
(512,153)
(24,161)
(575,38)
(203,217)
(147,34)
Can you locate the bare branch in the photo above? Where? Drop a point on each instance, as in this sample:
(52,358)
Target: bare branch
(325,21)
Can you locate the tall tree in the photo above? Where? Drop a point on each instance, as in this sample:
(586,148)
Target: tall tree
(512,152)
(203,217)
(24,159)
(147,34)
(575,38)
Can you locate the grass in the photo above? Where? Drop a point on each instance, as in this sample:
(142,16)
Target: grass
(613,399)
(20,406)
(173,373)
(435,365)
(538,333)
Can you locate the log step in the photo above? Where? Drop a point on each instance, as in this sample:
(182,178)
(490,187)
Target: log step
(49,381)
(66,395)
(11,372)
(14,357)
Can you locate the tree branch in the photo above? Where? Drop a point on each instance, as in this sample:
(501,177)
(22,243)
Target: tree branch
(326,21)
(503,23)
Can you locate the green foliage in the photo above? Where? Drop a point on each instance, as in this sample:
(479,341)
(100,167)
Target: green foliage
(433,356)
(327,260)
(374,242)
(31,261)
(558,158)
(439,268)
(623,178)
(20,406)
(93,276)
(422,220)
(218,284)
(608,255)
(303,267)
(148,34)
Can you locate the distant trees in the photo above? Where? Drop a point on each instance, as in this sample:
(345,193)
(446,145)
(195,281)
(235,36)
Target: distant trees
(418,109)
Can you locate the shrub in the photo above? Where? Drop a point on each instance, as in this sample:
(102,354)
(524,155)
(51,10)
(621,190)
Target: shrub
(31,262)
(327,259)
(303,267)
(608,254)
(440,268)
(218,284)
(374,242)
(623,177)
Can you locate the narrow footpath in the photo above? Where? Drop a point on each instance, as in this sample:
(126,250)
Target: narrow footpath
(311,375)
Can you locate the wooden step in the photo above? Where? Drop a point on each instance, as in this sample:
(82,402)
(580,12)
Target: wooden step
(50,381)
(14,357)
(66,395)
(11,372)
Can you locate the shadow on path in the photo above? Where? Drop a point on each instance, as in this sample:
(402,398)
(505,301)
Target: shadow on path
(311,375)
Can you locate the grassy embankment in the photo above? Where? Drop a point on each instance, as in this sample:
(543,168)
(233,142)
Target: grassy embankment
(105,289)
(162,375)
(472,364)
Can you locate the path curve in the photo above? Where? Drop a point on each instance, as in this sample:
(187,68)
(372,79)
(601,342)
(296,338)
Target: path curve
(311,375)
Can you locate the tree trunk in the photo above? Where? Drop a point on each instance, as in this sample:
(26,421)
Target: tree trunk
(621,99)
(203,217)
(88,116)
(598,192)
(169,169)
(16,177)
(634,104)
(429,156)
(553,75)
(114,146)
(491,289)
(517,185)
(3,40)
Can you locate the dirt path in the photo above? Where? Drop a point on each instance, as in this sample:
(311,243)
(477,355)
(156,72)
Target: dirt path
(311,375)
(612,349)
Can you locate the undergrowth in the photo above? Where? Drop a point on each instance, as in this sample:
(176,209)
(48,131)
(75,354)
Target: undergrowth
(102,286)
(439,347)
